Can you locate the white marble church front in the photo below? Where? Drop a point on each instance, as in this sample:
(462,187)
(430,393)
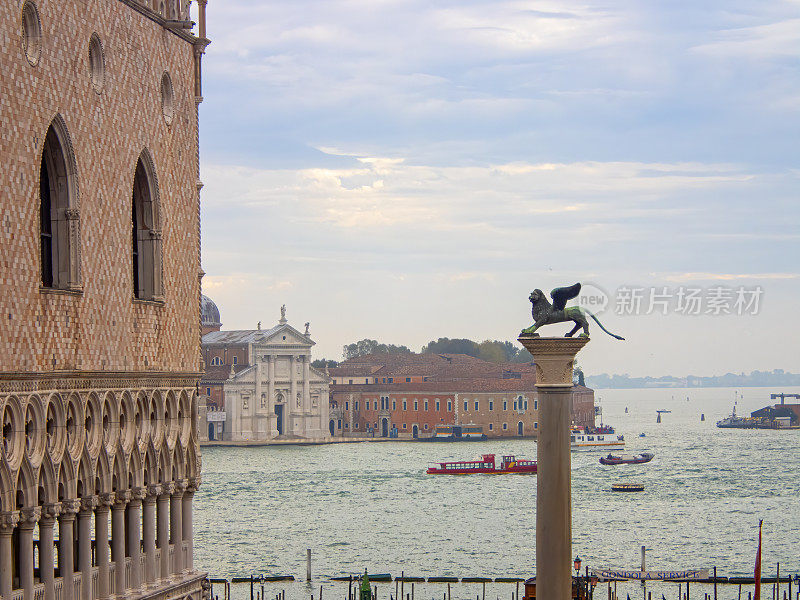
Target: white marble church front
(271,391)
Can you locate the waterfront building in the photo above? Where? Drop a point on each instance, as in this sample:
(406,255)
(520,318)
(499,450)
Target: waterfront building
(99,292)
(409,395)
(259,384)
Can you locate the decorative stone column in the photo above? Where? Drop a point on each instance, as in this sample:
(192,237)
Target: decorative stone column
(8,520)
(105,500)
(85,545)
(46,562)
(187,522)
(118,539)
(149,533)
(292,403)
(176,525)
(28,517)
(273,415)
(66,547)
(163,527)
(554,358)
(306,388)
(135,536)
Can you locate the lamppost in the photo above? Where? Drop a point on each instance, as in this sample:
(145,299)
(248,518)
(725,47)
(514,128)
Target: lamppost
(577,564)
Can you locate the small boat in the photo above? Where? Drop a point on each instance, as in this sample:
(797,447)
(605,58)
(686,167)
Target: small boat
(485,464)
(642,434)
(644,457)
(627,487)
(580,437)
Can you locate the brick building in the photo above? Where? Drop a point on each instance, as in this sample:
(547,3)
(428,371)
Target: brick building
(408,395)
(99,292)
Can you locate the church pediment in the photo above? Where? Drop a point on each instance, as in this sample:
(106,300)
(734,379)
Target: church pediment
(286,335)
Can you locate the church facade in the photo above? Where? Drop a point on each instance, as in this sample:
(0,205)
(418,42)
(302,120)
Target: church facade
(260,386)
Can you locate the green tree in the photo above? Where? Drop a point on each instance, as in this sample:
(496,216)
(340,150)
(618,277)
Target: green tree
(367,346)
(321,362)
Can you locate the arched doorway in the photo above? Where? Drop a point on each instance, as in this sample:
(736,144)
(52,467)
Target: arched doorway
(332,427)
(211,432)
(384,427)
(415,432)
(279,412)
(519,428)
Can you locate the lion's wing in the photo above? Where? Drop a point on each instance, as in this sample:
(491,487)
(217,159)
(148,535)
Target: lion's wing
(562,295)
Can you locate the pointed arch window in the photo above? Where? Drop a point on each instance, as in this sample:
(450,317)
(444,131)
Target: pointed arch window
(146,232)
(59,218)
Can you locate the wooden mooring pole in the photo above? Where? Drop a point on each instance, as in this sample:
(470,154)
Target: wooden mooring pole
(402,581)
(715,583)
(308,564)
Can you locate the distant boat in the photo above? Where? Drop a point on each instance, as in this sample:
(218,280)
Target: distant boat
(484,465)
(627,487)
(602,436)
(642,434)
(638,459)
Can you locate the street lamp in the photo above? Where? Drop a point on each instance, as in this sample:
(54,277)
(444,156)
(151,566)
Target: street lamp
(577,564)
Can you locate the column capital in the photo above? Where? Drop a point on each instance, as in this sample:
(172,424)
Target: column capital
(193,484)
(8,520)
(168,488)
(50,511)
(180,486)
(29,516)
(154,490)
(89,503)
(121,498)
(105,499)
(554,358)
(70,507)
(138,494)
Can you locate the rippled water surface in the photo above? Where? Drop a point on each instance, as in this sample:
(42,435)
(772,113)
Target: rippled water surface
(371,504)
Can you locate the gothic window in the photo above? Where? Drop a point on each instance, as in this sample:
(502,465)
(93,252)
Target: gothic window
(234,360)
(146,232)
(58,212)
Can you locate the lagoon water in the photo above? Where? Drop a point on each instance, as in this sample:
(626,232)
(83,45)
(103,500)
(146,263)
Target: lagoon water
(370,505)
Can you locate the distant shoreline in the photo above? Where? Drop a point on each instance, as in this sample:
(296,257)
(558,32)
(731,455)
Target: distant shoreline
(776,378)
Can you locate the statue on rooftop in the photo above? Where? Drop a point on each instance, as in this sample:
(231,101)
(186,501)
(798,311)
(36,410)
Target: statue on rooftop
(545,313)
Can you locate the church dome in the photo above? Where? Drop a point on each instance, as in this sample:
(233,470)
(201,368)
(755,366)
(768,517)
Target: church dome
(209,313)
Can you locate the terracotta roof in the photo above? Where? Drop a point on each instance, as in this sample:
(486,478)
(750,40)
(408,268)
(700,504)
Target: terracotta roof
(221,372)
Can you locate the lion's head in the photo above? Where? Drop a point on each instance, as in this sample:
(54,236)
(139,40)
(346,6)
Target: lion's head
(535,296)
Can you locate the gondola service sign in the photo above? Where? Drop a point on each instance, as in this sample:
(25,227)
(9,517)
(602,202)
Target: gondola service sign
(650,575)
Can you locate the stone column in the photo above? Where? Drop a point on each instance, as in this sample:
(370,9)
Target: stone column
(306,386)
(149,533)
(134,525)
(186,522)
(273,417)
(46,563)
(85,545)
(8,520)
(118,539)
(292,404)
(66,547)
(176,525)
(28,517)
(554,358)
(104,502)
(163,527)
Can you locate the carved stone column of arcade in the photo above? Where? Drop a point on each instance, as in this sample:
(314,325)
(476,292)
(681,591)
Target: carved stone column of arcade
(176,526)
(28,517)
(46,556)
(118,539)
(288,427)
(186,521)
(66,546)
(104,502)
(134,525)
(162,519)
(87,506)
(554,358)
(149,533)
(8,520)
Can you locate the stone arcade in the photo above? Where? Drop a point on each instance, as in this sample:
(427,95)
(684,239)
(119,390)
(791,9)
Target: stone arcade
(99,292)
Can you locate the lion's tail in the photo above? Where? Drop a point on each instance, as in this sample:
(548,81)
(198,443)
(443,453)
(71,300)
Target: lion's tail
(614,335)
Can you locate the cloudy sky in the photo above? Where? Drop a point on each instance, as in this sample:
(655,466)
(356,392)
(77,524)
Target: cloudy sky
(405,170)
